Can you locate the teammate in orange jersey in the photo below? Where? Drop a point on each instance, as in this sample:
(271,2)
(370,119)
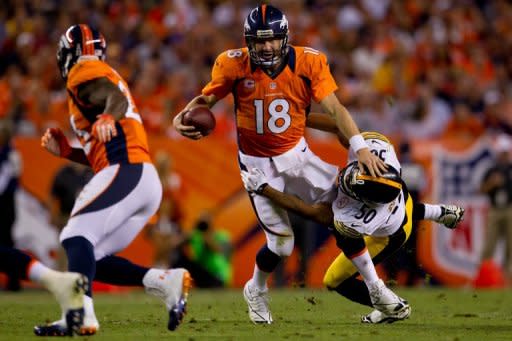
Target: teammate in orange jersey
(125,190)
(273,85)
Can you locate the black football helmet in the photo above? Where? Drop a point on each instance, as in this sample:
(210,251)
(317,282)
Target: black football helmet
(263,23)
(79,40)
(369,189)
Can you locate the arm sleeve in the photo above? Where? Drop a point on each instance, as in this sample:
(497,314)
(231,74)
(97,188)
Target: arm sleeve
(223,76)
(322,81)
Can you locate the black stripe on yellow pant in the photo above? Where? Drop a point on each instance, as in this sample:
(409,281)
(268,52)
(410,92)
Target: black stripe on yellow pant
(380,248)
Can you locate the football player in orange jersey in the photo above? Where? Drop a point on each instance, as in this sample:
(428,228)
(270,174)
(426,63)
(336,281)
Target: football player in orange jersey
(273,85)
(125,190)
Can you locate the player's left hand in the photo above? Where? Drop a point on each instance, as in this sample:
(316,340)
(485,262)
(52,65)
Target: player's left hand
(371,162)
(104,128)
(254,180)
(56,142)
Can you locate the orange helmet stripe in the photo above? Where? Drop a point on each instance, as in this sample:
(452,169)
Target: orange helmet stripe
(87,49)
(263,12)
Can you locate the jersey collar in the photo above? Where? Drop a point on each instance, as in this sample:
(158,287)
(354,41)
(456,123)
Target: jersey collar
(290,62)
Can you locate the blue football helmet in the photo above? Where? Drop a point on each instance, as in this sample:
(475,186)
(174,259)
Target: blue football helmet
(79,40)
(263,23)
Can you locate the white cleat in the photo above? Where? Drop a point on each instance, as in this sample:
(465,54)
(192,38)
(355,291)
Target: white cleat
(385,300)
(378,316)
(257,301)
(451,216)
(172,286)
(69,289)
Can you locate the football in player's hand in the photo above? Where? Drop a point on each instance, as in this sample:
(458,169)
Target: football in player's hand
(201,118)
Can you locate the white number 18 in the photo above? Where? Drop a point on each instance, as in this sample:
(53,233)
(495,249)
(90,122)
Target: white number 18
(278,109)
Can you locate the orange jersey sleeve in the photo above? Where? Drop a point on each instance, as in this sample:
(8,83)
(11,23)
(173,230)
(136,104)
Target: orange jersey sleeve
(130,145)
(313,65)
(227,69)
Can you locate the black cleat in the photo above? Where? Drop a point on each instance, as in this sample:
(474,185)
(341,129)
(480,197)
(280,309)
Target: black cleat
(176,314)
(53,330)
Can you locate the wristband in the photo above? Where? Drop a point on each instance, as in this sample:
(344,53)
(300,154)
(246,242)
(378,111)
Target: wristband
(261,188)
(357,142)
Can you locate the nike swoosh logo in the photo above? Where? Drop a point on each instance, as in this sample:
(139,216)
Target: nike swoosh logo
(303,150)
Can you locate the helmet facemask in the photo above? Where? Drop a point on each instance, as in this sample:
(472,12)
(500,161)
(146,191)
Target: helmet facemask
(65,58)
(347,178)
(260,58)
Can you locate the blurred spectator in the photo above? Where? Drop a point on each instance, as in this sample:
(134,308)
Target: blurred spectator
(429,116)
(211,252)
(67,183)
(463,125)
(497,185)
(165,231)
(204,251)
(10,170)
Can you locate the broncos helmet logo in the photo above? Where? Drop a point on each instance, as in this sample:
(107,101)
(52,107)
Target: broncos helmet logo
(284,23)
(77,41)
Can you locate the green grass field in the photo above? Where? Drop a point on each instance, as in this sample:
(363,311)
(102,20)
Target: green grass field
(299,314)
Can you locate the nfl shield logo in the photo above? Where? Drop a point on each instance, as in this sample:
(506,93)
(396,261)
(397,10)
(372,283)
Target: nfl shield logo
(249,83)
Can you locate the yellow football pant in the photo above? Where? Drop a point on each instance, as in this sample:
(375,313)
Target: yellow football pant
(380,248)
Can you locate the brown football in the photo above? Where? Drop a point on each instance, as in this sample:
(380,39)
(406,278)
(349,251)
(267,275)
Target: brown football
(201,118)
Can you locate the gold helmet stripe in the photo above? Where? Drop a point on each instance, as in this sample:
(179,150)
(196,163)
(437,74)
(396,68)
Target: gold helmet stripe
(374,135)
(381,180)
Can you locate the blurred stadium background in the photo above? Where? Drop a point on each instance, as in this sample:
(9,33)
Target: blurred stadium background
(433,75)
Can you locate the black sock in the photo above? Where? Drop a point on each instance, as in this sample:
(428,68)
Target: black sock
(80,254)
(355,290)
(13,262)
(418,211)
(267,260)
(119,271)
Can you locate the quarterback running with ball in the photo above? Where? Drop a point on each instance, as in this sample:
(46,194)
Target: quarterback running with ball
(273,85)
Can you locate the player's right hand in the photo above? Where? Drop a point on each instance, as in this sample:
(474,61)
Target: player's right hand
(104,129)
(54,141)
(371,162)
(187,131)
(254,180)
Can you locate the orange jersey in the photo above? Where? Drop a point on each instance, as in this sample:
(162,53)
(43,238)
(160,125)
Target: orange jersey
(130,145)
(271,112)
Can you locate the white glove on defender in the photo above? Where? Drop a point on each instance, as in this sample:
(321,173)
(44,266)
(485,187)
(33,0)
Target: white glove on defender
(254,180)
